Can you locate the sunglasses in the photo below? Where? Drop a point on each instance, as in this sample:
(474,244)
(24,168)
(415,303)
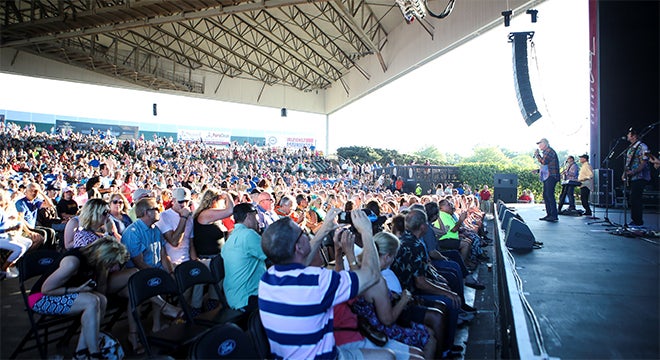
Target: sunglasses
(302,231)
(117,202)
(183,201)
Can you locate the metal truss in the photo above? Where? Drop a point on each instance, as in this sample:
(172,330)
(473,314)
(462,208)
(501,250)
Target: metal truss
(159,44)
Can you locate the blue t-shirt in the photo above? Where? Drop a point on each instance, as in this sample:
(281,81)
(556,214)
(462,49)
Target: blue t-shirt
(141,239)
(29,209)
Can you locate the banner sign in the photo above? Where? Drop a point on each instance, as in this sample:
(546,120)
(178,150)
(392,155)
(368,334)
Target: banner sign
(208,137)
(299,142)
(123,132)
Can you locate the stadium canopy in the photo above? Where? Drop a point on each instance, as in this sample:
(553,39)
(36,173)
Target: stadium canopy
(306,55)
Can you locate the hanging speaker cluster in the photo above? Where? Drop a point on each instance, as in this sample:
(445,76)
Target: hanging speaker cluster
(521,80)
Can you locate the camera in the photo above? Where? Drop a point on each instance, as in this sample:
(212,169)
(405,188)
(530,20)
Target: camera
(344,217)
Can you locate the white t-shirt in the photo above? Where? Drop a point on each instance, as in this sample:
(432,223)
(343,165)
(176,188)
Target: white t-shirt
(169,220)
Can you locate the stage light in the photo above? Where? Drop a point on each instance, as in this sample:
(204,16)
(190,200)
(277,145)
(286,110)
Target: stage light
(533,13)
(412,9)
(507,17)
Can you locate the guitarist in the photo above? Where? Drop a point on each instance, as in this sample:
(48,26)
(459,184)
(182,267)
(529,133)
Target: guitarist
(636,174)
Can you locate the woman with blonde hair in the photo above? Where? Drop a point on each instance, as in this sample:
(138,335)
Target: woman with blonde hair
(92,223)
(78,286)
(208,229)
(119,207)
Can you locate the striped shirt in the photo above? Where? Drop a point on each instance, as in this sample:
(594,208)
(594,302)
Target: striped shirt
(296,307)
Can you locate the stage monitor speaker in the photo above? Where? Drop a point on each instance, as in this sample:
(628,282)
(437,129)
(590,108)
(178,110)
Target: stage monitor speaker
(603,192)
(521,77)
(508,215)
(505,181)
(507,195)
(519,236)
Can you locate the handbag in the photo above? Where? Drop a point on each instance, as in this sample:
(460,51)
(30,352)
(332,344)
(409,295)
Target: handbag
(370,332)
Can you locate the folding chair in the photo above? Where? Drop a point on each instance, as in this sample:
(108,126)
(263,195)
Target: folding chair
(44,329)
(228,315)
(189,274)
(223,341)
(146,284)
(258,335)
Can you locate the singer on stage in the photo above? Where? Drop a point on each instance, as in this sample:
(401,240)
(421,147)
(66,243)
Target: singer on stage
(636,175)
(550,176)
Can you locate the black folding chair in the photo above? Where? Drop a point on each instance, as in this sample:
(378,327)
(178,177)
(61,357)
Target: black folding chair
(229,314)
(44,329)
(189,274)
(146,284)
(258,335)
(223,341)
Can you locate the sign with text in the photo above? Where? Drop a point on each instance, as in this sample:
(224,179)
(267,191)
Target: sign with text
(208,137)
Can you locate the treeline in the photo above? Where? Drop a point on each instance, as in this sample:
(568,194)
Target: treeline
(476,170)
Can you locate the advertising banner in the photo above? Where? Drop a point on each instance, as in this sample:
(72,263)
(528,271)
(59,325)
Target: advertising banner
(123,132)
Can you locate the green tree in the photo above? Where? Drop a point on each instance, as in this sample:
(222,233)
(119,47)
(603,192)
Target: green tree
(432,153)
(490,154)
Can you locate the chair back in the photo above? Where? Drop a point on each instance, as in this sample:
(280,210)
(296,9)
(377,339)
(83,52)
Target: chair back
(224,341)
(37,263)
(218,268)
(258,335)
(191,273)
(148,283)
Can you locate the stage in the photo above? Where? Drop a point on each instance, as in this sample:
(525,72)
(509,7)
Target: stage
(594,294)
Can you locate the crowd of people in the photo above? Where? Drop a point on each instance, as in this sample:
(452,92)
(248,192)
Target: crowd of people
(280,218)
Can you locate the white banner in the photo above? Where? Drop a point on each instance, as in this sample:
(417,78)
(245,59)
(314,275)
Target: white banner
(209,137)
(299,142)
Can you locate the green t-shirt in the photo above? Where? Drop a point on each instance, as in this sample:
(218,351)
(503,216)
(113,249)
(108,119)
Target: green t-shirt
(449,223)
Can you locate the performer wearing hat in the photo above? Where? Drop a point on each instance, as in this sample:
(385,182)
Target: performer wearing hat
(586,179)
(636,174)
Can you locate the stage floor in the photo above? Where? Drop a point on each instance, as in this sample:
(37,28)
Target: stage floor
(594,294)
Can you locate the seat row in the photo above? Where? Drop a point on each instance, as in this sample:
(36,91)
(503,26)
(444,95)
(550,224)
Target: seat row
(213,334)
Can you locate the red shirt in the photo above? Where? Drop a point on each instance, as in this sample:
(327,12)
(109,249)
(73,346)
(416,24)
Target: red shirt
(484,195)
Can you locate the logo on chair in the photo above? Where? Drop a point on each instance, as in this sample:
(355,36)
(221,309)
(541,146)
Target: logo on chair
(45,261)
(154,282)
(226,347)
(194,272)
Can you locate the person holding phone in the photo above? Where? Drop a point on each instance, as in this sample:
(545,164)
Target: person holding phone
(78,286)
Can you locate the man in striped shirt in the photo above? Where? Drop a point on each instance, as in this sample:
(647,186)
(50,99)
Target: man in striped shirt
(296,300)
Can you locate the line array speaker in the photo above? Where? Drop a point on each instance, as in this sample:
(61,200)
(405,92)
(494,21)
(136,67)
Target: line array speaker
(521,77)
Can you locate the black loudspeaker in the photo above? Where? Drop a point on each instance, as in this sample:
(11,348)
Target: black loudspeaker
(506,218)
(521,77)
(508,195)
(155,109)
(505,180)
(519,236)
(603,192)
